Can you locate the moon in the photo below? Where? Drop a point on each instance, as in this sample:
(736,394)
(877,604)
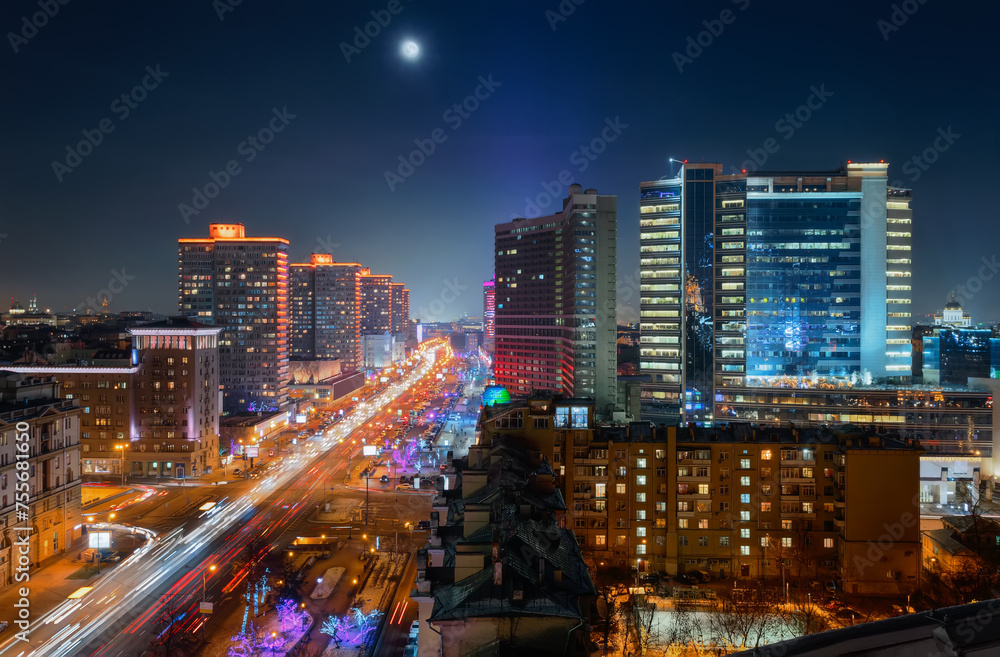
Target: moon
(410,49)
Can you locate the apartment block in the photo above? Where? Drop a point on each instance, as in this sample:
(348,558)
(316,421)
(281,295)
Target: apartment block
(34,414)
(175,428)
(325,311)
(399,308)
(240,283)
(737,502)
(376,303)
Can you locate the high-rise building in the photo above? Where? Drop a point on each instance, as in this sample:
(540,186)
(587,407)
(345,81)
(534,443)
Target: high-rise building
(241,284)
(399,308)
(324,311)
(555,295)
(489,312)
(376,303)
(753,279)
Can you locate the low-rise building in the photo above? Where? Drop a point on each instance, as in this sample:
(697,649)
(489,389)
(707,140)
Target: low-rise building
(501,569)
(959,542)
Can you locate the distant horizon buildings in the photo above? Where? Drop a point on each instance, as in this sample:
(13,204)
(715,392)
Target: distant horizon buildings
(241,284)
(750,279)
(555,296)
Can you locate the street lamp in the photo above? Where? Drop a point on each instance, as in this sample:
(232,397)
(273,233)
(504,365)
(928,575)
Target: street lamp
(204,595)
(122,447)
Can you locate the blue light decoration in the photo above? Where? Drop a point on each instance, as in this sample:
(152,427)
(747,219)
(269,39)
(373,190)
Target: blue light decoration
(261,407)
(495,395)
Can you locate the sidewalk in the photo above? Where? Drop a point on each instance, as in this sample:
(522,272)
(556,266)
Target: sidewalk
(51,583)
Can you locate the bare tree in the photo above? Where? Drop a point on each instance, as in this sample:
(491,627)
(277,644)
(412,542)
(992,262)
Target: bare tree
(637,622)
(610,596)
(681,629)
(743,618)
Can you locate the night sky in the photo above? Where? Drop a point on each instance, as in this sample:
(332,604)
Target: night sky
(553,82)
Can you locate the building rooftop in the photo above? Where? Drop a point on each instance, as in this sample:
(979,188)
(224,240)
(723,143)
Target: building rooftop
(174,324)
(964,630)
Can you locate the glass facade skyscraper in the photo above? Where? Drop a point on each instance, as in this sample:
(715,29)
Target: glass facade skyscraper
(803,285)
(770,279)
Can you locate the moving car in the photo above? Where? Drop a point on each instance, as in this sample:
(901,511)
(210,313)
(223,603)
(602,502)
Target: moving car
(404,487)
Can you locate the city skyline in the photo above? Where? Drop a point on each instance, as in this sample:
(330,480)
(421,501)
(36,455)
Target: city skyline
(134,182)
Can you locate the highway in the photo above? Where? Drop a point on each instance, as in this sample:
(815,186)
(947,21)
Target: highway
(152,596)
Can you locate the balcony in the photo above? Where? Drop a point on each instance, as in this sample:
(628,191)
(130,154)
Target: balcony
(797,480)
(692,479)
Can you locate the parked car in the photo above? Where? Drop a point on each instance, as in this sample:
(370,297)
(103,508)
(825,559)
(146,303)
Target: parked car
(423,524)
(831,586)
(684,579)
(237,471)
(404,487)
(414,628)
(701,576)
(846,613)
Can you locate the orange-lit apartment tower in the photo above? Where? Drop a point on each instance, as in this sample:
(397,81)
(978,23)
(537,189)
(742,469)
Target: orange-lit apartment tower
(241,284)
(376,303)
(325,311)
(399,299)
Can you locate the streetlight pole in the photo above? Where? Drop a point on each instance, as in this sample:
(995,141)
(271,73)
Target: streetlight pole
(122,447)
(204,596)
